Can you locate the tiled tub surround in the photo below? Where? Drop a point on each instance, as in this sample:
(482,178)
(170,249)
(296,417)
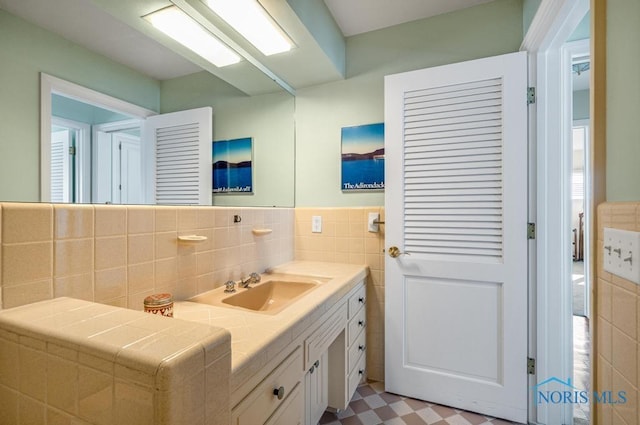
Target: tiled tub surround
(67,361)
(616,318)
(345,239)
(120,254)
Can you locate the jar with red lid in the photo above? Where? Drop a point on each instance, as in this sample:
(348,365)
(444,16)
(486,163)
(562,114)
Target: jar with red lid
(161,304)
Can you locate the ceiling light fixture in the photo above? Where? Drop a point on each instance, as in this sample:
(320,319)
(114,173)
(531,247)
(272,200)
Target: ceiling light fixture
(180,27)
(250,19)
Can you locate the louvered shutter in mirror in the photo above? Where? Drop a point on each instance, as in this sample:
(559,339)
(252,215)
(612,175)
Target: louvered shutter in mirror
(181,148)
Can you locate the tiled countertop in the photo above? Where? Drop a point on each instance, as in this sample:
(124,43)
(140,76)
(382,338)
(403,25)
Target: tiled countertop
(105,364)
(255,337)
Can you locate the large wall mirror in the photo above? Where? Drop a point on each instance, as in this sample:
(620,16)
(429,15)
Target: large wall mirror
(92,148)
(77,131)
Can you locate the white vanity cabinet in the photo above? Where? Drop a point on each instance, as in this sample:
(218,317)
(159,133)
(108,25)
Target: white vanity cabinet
(320,369)
(341,338)
(357,337)
(316,391)
(274,395)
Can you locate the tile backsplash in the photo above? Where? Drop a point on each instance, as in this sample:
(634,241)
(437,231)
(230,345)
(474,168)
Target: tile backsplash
(616,327)
(120,254)
(345,239)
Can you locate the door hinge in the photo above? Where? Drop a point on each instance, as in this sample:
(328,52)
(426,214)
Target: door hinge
(120,146)
(531,366)
(531,95)
(72,150)
(531,230)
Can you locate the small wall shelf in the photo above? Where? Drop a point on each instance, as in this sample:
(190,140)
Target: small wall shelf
(192,238)
(261,232)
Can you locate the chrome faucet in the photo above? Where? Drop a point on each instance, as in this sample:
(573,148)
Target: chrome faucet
(253,278)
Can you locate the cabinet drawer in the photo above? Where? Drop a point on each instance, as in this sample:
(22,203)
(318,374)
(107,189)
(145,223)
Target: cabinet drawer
(291,411)
(262,401)
(356,376)
(357,349)
(357,300)
(320,340)
(356,324)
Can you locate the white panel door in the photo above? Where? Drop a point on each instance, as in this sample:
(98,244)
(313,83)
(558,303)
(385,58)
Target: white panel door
(178,163)
(127,173)
(456,209)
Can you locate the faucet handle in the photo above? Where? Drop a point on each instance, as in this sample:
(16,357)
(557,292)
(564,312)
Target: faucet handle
(230,287)
(255,277)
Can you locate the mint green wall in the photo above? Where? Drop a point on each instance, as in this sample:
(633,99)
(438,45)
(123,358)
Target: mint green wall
(268,119)
(64,107)
(529,9)
(581,105)
(25,51)
(321,111)
(623,100)
(583,30)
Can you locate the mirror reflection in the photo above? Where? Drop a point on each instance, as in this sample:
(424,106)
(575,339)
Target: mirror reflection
(97,154)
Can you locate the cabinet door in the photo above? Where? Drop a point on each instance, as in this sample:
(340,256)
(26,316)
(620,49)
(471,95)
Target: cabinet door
(316,390)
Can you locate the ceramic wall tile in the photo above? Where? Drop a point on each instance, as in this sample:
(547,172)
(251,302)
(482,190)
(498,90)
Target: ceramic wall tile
(22,263)
(23,223)
(617,325)
(110,220)
(110,252)
(72,221)
(73,256)
(140,219)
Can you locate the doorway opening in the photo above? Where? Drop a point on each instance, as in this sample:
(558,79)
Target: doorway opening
(76,163)
(580,210)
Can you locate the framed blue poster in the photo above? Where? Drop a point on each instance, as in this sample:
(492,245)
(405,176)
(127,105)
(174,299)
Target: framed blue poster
(233,166)
(363,157)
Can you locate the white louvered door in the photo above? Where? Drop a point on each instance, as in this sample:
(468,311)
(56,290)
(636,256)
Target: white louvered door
(456,207)
(180,143)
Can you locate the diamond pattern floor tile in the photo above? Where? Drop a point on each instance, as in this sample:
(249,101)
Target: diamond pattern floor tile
(371,405)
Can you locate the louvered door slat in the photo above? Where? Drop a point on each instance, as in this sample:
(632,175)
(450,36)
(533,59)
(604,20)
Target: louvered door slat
(453,170)
(177,160)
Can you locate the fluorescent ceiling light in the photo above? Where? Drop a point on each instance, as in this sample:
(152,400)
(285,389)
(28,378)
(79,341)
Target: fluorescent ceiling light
(253,23)
(179,26)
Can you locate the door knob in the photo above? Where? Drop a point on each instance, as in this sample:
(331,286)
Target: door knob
(394,252)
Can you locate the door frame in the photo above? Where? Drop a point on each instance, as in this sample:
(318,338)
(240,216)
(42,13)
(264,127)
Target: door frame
(550,304)
(569,51)
(82,158)
(52,85)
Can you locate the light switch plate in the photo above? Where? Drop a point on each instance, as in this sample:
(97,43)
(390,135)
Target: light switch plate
(621,253)
(373,227)
(316,224)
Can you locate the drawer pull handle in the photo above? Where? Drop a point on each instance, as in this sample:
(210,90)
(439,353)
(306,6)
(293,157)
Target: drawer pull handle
(313,368)
(317,364)
(279,392)
(361,372)
(362,347)
(361,323)
(361,300)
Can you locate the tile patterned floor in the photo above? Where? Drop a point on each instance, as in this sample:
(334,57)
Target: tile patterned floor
(581,348)
(371,405)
